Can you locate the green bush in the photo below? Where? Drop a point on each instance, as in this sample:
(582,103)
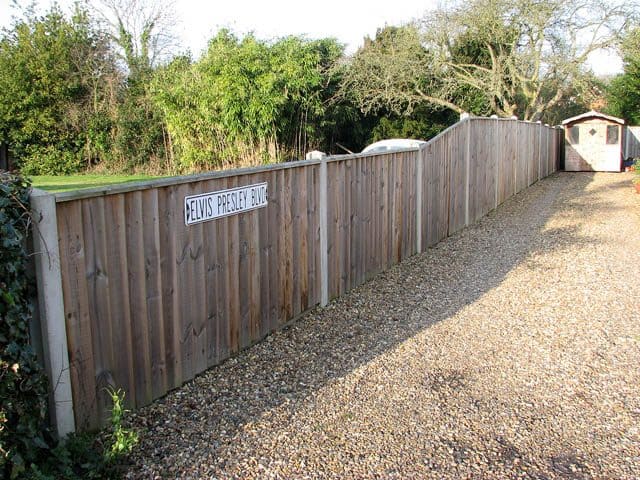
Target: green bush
(23,385)
(50,161)
(27,447)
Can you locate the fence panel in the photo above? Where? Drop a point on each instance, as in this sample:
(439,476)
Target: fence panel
(436,192)
(522,157)
(479,169)
(455,147)
(508,147)
(631,142)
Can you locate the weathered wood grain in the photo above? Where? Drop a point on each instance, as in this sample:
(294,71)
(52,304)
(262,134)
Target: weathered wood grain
(76,303)
(97,279)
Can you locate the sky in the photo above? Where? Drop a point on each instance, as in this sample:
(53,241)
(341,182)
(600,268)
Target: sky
(347,20)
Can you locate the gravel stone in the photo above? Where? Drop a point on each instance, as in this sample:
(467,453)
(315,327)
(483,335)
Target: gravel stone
(510,350)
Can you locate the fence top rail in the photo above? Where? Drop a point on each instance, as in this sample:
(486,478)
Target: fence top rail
(199,177)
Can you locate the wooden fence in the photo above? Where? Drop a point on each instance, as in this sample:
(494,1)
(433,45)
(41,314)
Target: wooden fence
(146,302)
(631,148)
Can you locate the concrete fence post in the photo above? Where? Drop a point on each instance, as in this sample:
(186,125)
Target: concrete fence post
(516,159)
(539,149)
(51,308)
(419,208)
(467,174)
(497,159)
(324,254)
(547,134)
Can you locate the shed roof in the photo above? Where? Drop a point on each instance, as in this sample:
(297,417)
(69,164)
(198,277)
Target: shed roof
(593,114)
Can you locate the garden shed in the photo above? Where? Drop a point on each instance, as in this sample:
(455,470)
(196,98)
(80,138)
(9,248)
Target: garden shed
(593,142)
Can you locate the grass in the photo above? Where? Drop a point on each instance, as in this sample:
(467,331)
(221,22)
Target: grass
(77,182)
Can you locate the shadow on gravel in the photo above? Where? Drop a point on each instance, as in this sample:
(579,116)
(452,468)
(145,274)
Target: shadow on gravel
(326,344)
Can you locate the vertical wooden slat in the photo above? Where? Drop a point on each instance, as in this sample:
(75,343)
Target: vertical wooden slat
(255,273)
(368,204)
(384,213)
(393,210)
(353,222)
(347,203)
(124,373)
(459,173)
(405,199)
(154,297)
(492,165)
(523,155)
(265,242)
(431,193)
(79,335)
(412,208)
(379,209)
(398,233)
(339,231)
(199,294)
(222,295)
(169,206)
(365,205)
(287,286)
(353,203)
(303,239)
(137,298)
(275,229)
(343,229)
(186,252)
(374,215)
(509,160)
(406,207)
(233,277)
(427,157)
(212,266)
(296,236)
(443,184)
(244,273)
(97,280)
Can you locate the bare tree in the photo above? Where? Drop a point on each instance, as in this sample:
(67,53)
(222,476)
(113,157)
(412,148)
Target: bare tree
(522,57)
(142,30)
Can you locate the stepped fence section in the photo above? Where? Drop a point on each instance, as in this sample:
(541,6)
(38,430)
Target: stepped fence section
(631,143)
(131,296)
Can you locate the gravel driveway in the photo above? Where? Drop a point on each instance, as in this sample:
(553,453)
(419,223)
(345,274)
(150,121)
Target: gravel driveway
(510,350)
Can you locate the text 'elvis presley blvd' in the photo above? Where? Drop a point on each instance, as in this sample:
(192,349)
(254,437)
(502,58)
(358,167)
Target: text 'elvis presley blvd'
(208,206)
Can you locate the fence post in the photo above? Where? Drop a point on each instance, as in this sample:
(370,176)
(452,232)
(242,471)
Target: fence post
(547,133)
(498,158)
(419,209)
(51,308)
(324,254)
(516,159)
(467,176)
(559,148)
(539,148)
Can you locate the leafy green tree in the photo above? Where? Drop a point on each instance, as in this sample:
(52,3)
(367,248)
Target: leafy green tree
(424,123)
(248,101)
(55,82)
(138,134)
(623,95)
(396,62)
